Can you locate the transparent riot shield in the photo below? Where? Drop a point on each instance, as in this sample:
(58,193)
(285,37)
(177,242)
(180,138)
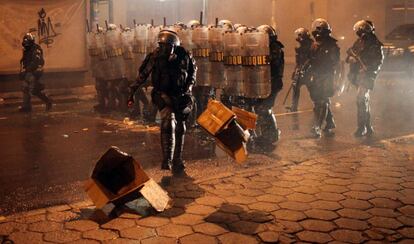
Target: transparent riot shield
(129,57)
(233,64)
(140,44)
(102,68)
(185,37)
(153,38)
(93,54)
(201,50)
(216,57)
(115,55)
(256,65)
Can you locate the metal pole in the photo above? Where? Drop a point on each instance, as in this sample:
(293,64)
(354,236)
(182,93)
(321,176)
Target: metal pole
(111,11)
(205,6)
(273,20)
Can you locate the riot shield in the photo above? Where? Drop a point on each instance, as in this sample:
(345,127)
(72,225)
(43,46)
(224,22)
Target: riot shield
(129,59)
(216,57)
(102,69)
(115,55)
(140,44)
(256,64)
(153,38)
(185,38)
(201,49)
(93,54)
(340,82)
(233,64)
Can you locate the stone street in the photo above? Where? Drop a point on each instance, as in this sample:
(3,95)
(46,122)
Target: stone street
(362,194)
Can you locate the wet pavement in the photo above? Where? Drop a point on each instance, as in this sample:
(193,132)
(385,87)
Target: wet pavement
(46,156)
(358,195)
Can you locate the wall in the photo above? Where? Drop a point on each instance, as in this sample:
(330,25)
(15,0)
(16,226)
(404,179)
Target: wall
(344,14)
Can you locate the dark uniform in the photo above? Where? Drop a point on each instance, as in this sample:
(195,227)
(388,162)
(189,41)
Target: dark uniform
(32,64)
(365,58)
(266,120)
(173,73)
(324,64)
(300,76)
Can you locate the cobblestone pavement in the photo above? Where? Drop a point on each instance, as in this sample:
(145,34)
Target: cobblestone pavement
(363,194)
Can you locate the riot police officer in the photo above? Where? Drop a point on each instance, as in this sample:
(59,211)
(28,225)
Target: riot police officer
(173,73)
(324,64)
(31,69)
(99,67)
(266,121)
(365,58)
(300,75)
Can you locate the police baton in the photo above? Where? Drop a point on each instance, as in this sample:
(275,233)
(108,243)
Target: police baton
(287,94)
(87,26)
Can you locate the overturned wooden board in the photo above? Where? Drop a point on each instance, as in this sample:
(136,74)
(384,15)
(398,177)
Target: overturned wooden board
(156,196)
(245,118)
(99,192)
(99,196)
(240,154)
(215,117)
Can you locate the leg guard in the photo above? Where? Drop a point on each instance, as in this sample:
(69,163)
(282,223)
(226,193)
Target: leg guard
(320,112)
(178,163)
(168,126)
(122,95)
(295,97)
(363,113)
(112,94)
(101,93)
(330,122)
(36,90)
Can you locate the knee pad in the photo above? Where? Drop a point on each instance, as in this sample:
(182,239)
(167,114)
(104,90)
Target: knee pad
(180,127)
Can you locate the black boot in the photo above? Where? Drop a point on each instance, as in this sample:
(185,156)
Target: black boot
(330,123)
(45,99)
(267,124)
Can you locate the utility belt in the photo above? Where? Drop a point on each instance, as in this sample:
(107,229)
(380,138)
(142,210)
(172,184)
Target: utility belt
(114,52)
(232,60)
(255,60)
(139,49)
(93,52)
(128,55)
(201,52)
(216,57)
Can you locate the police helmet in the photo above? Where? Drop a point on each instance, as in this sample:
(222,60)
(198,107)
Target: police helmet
(302,34)
(267,29)
(363,27)
(28,39)
(193,23)
(168,37)
(112,27)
